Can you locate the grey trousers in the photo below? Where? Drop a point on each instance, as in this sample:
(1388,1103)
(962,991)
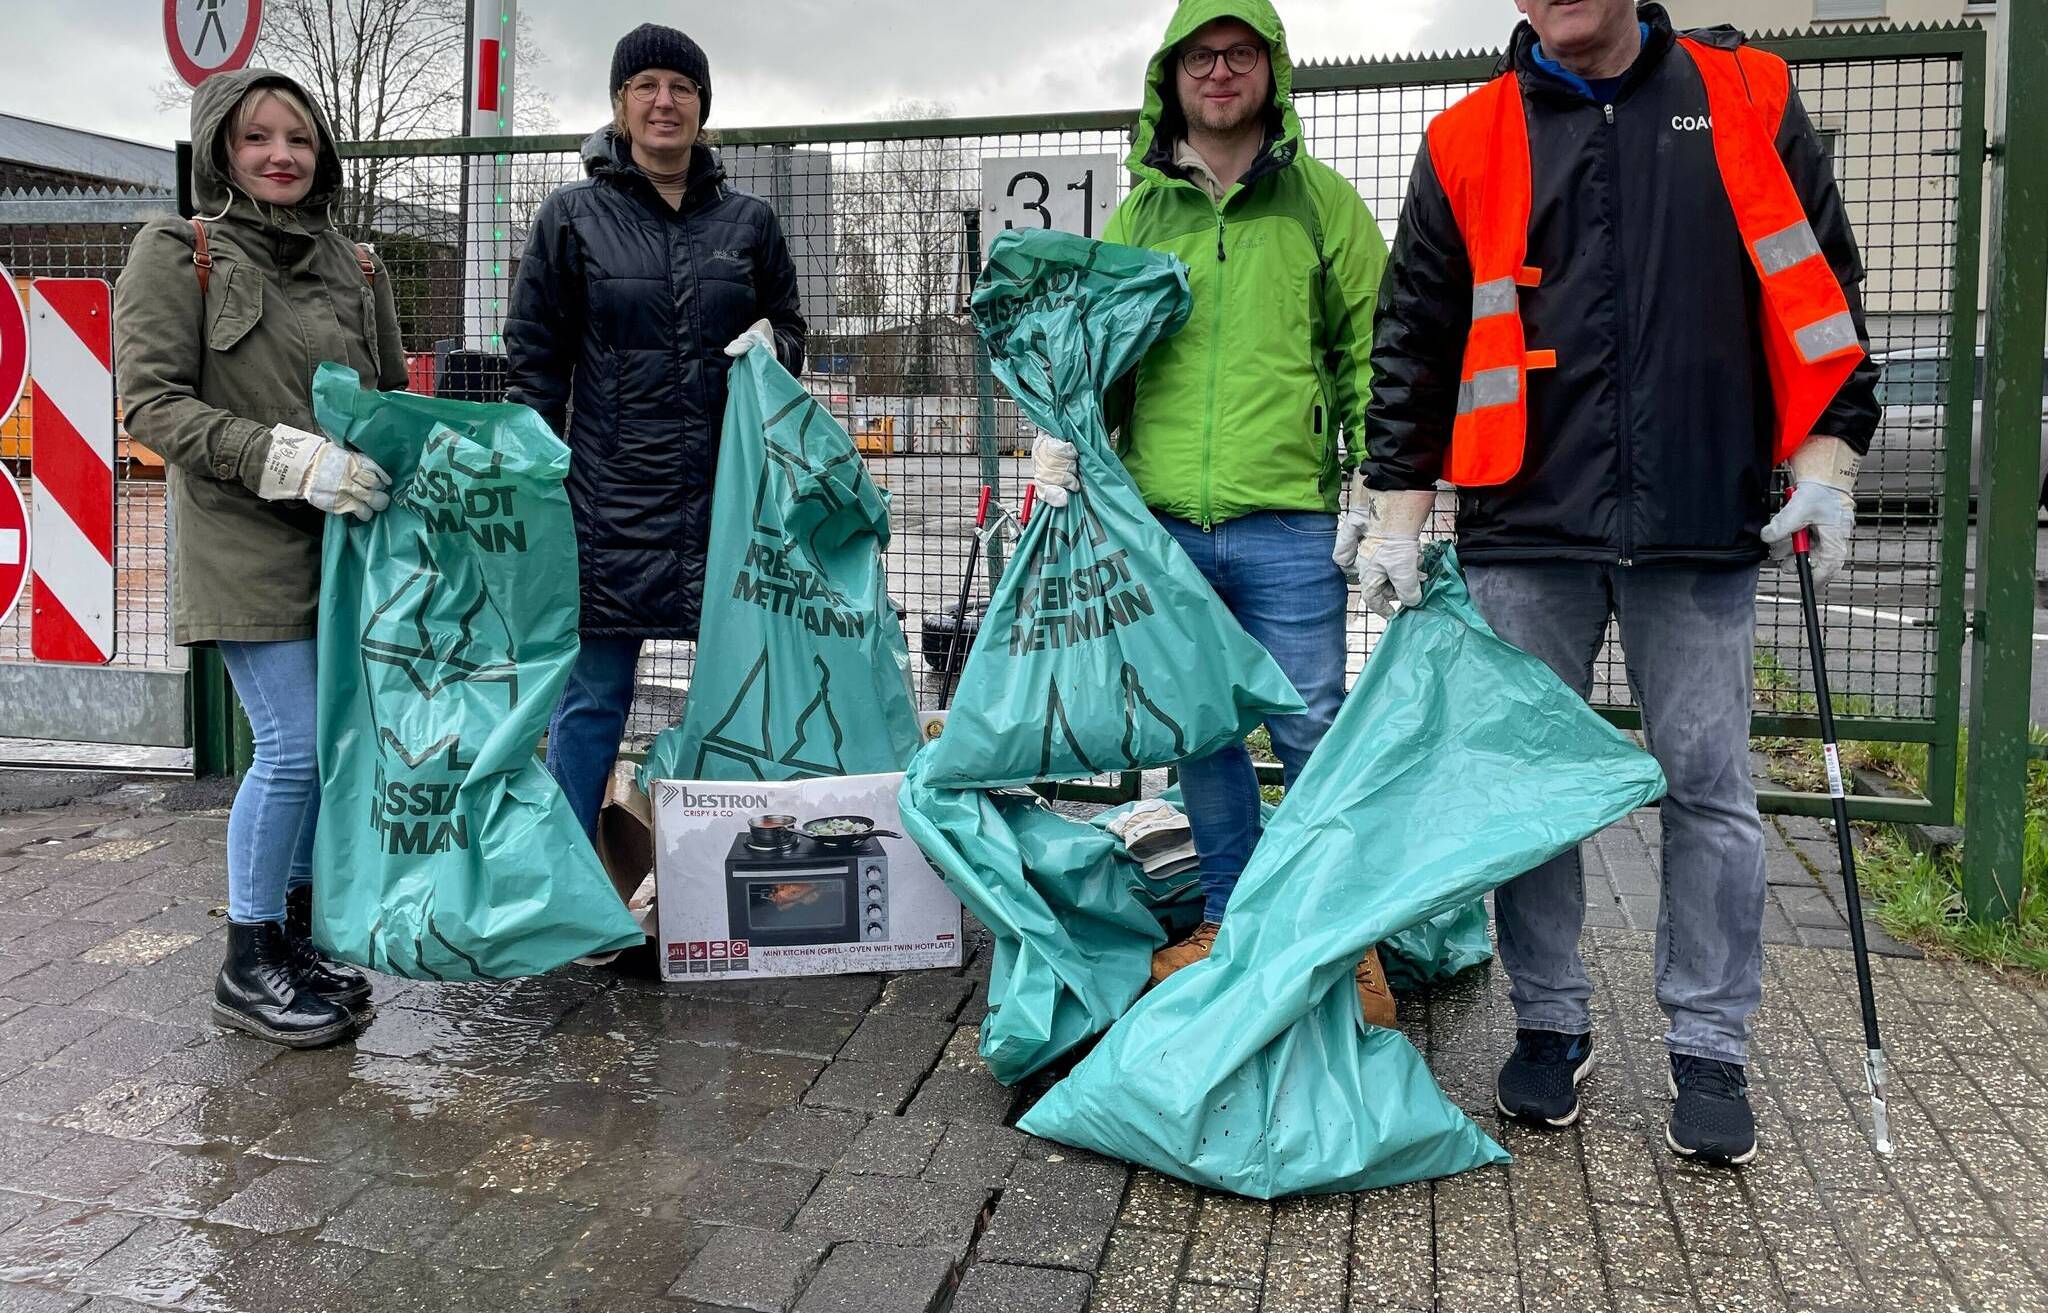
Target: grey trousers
(1689,638)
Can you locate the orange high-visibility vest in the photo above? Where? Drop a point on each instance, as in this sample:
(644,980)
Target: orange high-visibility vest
(1480,150)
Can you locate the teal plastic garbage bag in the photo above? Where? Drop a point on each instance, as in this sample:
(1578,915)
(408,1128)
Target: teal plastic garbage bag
(1102,649)
(1437,949)
(1073,942)
(809,675)
(445,851)
(1457,763)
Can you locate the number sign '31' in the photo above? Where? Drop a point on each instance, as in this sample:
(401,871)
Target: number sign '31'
(1073,193)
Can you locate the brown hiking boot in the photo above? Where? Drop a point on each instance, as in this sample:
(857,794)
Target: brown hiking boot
(1374,998)
(1185,953)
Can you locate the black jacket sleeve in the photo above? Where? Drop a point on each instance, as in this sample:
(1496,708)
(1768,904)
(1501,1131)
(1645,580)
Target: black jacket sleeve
(544,327)
(776,299)
(1854,414)
(1419,332)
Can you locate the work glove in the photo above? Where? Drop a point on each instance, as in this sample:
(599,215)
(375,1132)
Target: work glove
(758,334)
(1379,543)
(307,467)
(1055,468)
(1823,500)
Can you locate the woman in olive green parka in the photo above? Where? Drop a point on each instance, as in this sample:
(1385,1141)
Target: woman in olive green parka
(219,325)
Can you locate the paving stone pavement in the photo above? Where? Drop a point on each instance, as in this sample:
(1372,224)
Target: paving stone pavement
(593,1141)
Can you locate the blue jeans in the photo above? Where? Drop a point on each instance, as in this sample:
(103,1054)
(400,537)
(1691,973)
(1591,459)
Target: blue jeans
(1689,635)
(1273,570)
(270,827)
(590,722)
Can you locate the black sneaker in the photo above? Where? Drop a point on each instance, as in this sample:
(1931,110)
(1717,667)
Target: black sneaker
(1540,1080)
(1711,1119)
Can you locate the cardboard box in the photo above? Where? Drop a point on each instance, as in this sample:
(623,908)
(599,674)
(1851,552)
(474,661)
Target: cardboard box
(734,906)
(625,831)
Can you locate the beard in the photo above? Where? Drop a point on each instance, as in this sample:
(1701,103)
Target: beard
(1223,119)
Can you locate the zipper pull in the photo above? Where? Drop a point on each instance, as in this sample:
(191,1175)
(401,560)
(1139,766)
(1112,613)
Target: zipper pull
(1220,257)
(1608,109)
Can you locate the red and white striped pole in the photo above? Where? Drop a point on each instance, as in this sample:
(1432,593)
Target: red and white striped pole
(71,469)
(494,26)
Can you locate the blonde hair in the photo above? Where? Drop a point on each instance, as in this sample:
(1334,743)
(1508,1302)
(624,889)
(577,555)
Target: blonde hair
(257,97)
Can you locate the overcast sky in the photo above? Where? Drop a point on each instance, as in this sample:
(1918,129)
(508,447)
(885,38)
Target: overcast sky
(97,63)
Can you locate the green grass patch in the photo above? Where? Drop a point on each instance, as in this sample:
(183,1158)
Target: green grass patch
(1915,896)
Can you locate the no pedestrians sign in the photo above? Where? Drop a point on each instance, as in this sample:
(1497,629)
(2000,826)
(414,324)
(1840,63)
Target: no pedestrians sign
(210,36)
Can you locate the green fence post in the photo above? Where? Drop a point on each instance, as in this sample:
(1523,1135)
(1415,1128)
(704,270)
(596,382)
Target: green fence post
(2001,657)
(984,395)
(222,743)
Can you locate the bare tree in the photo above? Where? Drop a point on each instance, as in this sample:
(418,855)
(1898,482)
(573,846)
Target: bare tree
(382,70)
(901,244)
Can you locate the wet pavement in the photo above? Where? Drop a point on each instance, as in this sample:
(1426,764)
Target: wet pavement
(594,1141)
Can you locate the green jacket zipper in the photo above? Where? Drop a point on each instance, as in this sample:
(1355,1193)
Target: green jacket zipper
(1215,359)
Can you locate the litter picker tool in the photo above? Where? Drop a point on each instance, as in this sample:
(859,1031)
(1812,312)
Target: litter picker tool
(956,655)
(1873,1047)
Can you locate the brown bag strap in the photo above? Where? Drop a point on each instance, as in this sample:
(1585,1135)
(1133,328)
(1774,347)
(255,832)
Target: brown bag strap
(202,259)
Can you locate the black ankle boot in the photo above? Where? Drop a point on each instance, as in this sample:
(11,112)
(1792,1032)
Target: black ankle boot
(333,982)
(259,990)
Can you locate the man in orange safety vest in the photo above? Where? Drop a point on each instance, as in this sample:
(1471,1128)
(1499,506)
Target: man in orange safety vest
(1623,291)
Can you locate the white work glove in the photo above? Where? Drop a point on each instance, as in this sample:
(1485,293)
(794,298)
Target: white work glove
(307,467)
(1823,500)
(758,333)
(1380,545)
(1055,468)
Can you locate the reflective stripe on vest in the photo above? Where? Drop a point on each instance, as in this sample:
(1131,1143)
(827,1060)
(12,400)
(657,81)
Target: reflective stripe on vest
(1492,211)
(1480,150)
(1810,341)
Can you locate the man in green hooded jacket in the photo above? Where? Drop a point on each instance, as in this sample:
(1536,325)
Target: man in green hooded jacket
(1231,427)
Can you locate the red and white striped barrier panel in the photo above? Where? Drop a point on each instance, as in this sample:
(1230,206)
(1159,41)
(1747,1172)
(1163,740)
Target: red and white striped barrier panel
(71,469)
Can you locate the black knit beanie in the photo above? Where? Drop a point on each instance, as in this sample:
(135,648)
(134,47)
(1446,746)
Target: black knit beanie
(651,45)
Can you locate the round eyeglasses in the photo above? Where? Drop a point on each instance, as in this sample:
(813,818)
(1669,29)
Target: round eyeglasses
(679,90)
(1201,61)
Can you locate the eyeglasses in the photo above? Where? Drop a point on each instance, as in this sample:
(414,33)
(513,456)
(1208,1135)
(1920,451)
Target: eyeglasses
(644,89)
(1239,59)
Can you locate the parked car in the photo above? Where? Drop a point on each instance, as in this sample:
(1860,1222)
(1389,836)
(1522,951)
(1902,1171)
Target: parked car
(1904,471)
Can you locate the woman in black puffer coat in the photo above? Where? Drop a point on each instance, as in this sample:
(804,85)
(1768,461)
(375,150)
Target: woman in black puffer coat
(638,286)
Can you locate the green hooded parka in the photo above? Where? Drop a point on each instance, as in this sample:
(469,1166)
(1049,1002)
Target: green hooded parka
(1241,410)
(204,378)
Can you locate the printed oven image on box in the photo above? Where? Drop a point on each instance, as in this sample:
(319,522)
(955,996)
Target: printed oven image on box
(801,878)
(795,889)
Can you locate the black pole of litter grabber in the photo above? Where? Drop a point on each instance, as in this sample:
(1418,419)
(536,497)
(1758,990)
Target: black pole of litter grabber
(956,653)
(1873,1047)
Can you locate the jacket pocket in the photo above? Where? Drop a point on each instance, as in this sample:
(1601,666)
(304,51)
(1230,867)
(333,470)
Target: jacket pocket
(236,305)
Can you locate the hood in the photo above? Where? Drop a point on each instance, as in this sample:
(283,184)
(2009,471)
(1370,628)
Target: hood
(1160,123)
(210,105)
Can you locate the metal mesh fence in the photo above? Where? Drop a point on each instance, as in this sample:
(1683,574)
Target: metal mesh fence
(885,225)
(53,235)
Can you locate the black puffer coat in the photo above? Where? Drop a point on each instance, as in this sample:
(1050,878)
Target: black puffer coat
(1651,440)
(620,316)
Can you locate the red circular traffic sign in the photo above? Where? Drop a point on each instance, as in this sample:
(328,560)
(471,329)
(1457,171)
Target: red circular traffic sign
(210,36)
(13,544)
(13,344)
